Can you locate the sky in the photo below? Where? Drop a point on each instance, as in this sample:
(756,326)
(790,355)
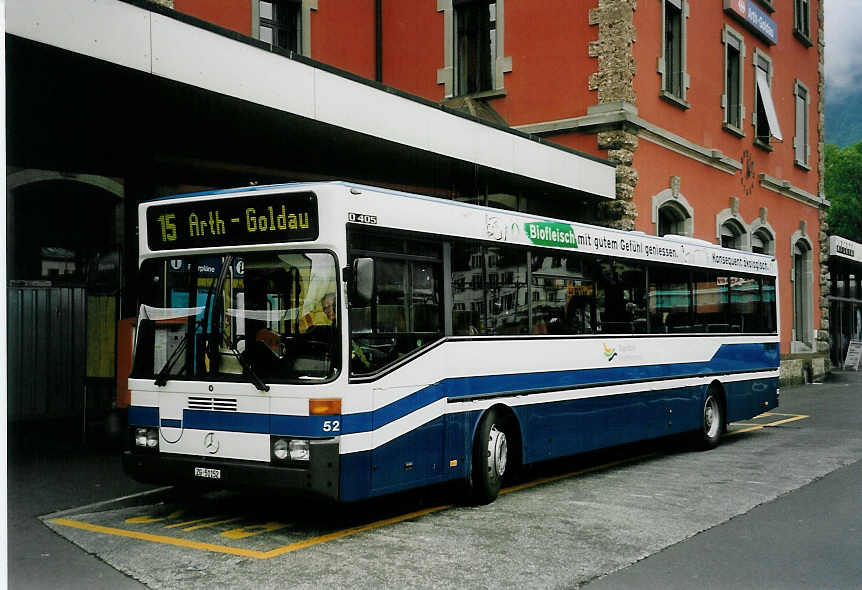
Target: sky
(843,47)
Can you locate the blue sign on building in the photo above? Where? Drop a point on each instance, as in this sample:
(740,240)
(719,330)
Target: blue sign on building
(754,17)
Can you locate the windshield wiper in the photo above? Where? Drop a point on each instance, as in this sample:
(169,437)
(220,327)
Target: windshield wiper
(246,366)
(162,377)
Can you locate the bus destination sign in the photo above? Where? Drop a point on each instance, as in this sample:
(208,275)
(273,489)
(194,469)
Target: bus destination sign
(255,219)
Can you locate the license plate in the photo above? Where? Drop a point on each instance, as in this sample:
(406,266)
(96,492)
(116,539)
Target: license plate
(207,473)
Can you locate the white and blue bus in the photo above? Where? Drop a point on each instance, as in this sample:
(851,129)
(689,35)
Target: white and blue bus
(351,341)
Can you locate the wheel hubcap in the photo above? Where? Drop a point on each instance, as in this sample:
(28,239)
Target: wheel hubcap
(711,422)
(497,452)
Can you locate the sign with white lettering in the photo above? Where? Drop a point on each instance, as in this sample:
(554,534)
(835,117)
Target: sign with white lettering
(844,248)
(854,355)
(752,16)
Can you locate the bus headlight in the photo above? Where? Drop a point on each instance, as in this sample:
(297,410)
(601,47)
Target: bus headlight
(146,438)
(279,449)
(299,450)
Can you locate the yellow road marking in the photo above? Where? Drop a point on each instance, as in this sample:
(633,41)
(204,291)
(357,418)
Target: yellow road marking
(252,530)
(212,523)
(141,536)
(150,519)
(352,531)
(358,529)
(544,480)
(793,418)
(95,528)
(790,418)
(741,430)
(187,522)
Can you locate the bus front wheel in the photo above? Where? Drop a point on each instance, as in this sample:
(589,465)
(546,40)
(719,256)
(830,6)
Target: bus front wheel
(490,457)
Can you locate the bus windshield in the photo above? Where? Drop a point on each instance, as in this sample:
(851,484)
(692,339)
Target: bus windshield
(251,316)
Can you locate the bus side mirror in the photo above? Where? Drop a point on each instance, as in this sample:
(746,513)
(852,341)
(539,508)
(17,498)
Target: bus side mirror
(363,281)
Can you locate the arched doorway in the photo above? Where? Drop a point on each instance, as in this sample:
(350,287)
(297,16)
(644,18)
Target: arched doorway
(63,267)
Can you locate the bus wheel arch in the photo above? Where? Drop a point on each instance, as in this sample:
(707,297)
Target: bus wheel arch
(496,452)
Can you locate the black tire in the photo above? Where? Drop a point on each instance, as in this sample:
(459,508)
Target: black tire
(490,458)
(712,420)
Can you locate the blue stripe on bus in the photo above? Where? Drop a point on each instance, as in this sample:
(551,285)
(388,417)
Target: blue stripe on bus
(548,430)
(312,426)
(229,421)
(730,358)
(305,426)
(736,358)
(143,416)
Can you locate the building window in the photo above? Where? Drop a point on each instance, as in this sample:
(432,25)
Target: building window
(473,56)
(762,242)
(672,219)
(801,21)
(280,24)
(475,45)
(672,62)
(801,291)
(671,212)
(801,149)
(732,103)
(733,235)
(765,117)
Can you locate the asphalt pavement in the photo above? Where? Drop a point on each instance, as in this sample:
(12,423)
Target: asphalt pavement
(807,537)
(51,468)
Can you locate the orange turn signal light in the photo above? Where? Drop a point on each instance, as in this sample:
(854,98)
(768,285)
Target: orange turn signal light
(324,407)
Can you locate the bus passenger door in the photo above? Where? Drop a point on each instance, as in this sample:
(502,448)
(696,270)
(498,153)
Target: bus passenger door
(408,449)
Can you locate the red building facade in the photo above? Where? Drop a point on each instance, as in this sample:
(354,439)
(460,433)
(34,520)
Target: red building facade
(713,111)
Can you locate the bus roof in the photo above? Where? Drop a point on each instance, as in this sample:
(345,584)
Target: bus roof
(548,232)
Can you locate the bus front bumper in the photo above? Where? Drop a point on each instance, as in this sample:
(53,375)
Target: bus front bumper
(320,477)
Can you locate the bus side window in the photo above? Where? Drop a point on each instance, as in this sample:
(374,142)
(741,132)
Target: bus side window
(669,296)
(468,289)
(405,313)
(711,292)
(622,297)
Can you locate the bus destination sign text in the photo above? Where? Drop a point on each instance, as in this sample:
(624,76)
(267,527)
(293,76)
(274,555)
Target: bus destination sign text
(248,219)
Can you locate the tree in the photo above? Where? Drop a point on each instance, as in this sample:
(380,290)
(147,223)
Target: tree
(843,182)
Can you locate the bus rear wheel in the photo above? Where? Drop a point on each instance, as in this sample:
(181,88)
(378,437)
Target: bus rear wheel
(713,420)
(490,458)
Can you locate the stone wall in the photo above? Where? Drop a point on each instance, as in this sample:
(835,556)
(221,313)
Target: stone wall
(614,82)
(823,335)
(796,369)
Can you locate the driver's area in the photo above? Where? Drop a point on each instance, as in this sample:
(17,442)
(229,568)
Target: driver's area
(281,314)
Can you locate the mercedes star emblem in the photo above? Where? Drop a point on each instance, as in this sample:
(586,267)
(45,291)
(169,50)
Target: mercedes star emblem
(211,443)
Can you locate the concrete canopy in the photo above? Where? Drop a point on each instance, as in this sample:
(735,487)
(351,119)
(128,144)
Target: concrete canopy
(125,88)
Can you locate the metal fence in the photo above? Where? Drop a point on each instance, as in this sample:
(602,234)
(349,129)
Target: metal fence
(47,352)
